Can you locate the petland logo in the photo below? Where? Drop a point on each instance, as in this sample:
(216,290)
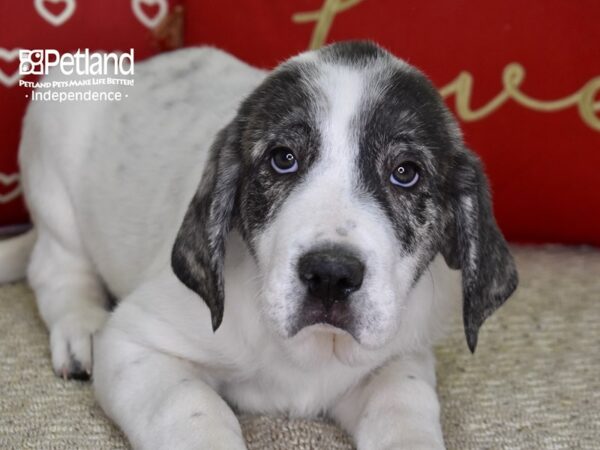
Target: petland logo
(40,61)
(84,75)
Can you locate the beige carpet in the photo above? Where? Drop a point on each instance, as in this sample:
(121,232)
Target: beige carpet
(534,382)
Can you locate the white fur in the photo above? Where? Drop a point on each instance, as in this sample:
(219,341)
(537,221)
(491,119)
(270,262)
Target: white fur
(107,198)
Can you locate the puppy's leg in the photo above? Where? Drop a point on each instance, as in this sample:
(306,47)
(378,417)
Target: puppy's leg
(397,408)
(159,400)
(71,301)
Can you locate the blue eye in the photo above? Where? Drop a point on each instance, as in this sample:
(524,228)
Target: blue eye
(406,175)
(283,160)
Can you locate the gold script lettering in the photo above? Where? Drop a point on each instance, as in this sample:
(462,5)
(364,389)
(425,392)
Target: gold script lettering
(512,77)
(324,19)
(462,86)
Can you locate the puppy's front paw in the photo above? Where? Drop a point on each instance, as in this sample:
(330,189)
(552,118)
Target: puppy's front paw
(202,433)
(71,343)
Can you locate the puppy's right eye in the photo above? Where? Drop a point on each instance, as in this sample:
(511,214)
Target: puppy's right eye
(283,160)
(405,175)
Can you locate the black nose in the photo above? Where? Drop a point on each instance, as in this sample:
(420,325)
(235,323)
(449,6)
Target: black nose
(331,274)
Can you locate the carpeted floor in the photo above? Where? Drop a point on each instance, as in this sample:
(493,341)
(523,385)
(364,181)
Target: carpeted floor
(534,382)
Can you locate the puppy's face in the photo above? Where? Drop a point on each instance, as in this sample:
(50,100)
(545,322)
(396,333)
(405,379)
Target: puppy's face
(342,190)
(346,175)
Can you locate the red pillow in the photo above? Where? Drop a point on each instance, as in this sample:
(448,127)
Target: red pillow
(541,147)
(541,154)
(64,25)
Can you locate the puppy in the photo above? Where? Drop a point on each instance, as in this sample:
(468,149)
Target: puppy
(281,243)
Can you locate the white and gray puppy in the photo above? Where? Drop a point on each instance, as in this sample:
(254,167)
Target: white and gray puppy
(294,262)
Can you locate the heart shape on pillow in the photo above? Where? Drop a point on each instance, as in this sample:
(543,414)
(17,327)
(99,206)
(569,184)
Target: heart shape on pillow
(11,79)
(12,181)
(56,18)
(150,12)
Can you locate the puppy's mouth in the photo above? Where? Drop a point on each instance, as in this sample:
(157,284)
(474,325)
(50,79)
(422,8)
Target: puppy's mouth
(329,343)
(335,317)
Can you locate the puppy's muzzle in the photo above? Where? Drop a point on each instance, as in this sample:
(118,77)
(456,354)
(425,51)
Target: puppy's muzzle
(330,276)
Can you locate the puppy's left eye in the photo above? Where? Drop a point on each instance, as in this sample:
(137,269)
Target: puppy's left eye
(283,160)
(405,175)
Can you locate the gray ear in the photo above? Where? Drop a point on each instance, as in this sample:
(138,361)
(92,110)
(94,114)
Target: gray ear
(199,249)
(477,247)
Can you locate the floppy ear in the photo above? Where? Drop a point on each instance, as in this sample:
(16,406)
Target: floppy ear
(477,246)
(199,249)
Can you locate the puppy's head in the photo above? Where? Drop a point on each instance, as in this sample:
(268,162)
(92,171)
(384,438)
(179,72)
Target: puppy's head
(345,174)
